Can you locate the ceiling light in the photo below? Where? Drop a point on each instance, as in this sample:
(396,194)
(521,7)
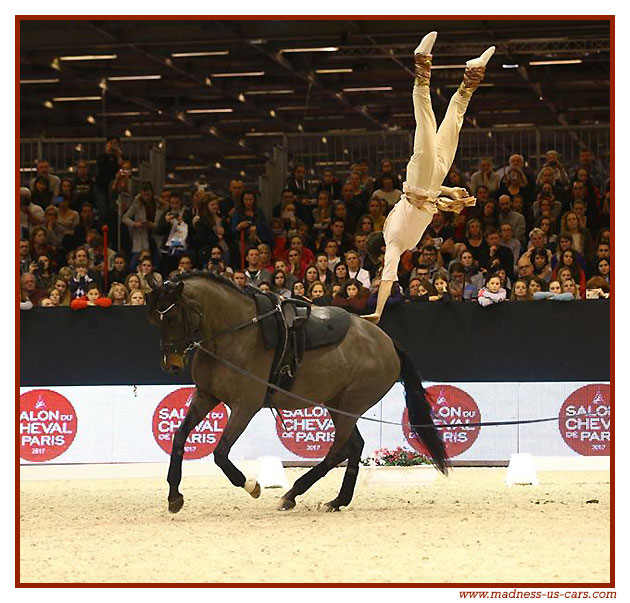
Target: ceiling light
(48,104)
(209,53)
(510,65)
(368,89)
(239,74)
(241,97)
(264,134)
(300,127)
(208,82)
(123,113)
(103,84)
(561,62)
(125,78)
(90,119)
(297,107)
(213,131)
(340,70)
(217,165)
(242,172)
(319,49)
(42,81)
(272,113)
(89,57)
(66,99)
(127,132)
(190,167)
(256,92)
(227,110)
(324,140)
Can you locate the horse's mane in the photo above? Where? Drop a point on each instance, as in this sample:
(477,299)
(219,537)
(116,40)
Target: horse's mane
(184,276)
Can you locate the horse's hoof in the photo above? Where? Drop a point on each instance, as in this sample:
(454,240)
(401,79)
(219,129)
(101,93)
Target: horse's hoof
(329,507)
(175,506)
(286,504)
(252,487)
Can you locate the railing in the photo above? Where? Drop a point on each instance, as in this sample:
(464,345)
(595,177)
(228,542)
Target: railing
(340,150)
(63,153)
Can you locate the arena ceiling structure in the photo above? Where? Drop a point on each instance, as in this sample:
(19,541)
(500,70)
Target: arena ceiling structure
(223,92)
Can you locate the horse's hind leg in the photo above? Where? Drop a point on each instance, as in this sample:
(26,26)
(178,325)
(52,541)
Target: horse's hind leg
(238,421)
(199,408)
(337,453)
(354,449)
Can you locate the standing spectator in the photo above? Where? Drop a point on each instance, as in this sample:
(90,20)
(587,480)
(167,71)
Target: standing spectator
(54,232)
(140,218)
(42,195)
(82,185)
(31,215)
(330,184)
(43,171)
(485,176)
(176,227)
(108,164)
(233,200)
(551,161)
(594,167)
(254,273)
(360,197)
(547,176)
(516,220)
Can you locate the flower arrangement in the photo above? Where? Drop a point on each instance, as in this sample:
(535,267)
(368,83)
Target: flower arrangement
(399,457)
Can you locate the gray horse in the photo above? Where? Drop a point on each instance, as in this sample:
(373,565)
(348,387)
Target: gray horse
(350,376)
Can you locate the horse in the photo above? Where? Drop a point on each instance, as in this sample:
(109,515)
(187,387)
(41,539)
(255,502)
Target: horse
(348,378)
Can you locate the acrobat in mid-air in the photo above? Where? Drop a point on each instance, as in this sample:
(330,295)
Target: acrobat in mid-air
(433,153)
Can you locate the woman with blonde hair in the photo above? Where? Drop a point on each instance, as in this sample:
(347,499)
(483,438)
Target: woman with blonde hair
(582,240)
(118,294)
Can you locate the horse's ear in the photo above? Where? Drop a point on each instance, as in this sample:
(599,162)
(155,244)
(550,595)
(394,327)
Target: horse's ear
(152,282)
(179,289)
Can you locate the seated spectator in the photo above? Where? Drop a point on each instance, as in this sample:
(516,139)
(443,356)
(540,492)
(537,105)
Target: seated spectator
(506,283)
(281,264)
(473,277)
(145,268)
(486,177)
(443,235)
(264,286)
(265,257)
(416,291)
(278,284)
(297,183)
(525,268)
(322,214)
(61,287)
(536,284)
(29,289)
(254,273)
(41,193)
(588,162)
(365,225)
(184,264)
(547,177)
(387,169)
(311,276)
(137,298)
(577,193)
(44,276)
(118,294)
(508,241)
(119,271)
(489,215)
(516,220)
(603,269)
(496,256)
(92,297)
(340,274)
(330,184)
(515,183)
(39,246)
(565,241)
(68,219)
(54,297)
(27,264)
(340,211)
(520,291)
(43,172)
(547,204)
(54,232)
(317,293)
(554,293)
(354,269)
(540,258)
(80,281)
(455,178)
(597,288)
(569,260)
(332,253)
(549,238)
(239,278)
(375,211)
(324,274)
(217,265)
(474,240)
(353,296)
(387,191)
(492,292)
(360,194)
(569,286)
(298,291)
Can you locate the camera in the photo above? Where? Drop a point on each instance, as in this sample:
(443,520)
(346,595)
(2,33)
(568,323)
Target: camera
(592,294)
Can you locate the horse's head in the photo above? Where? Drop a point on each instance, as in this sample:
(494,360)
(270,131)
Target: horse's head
(178,318)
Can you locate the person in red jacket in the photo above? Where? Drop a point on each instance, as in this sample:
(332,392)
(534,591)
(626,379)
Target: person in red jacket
(92,297)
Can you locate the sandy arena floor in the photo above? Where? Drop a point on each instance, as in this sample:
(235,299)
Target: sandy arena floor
(468,527)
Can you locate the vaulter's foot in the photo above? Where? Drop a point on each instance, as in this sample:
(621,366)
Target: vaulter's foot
(372,317)
(426,45)
(482,61)
(475,72)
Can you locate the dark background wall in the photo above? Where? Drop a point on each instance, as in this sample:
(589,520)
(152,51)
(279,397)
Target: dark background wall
(538,341)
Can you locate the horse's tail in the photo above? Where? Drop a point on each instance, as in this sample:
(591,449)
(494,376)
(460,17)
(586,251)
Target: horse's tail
(419,411)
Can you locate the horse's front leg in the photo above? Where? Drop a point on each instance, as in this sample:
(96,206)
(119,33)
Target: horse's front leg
(238,421)
(198,409)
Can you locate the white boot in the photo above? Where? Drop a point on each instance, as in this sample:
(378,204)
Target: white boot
(482,60)
(426,44)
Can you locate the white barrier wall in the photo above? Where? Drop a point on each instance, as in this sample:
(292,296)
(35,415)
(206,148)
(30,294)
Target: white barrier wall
(116,424)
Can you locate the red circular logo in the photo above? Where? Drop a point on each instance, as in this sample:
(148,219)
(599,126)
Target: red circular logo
(584,420)
(48,424)
(170,413)
(454,408)
(307,432)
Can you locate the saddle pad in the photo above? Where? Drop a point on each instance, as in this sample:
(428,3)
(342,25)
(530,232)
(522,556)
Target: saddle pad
(326,325)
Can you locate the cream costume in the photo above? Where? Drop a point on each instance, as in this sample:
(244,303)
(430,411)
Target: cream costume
(433,153)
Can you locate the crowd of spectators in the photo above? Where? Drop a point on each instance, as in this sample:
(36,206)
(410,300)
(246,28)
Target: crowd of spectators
(531,236)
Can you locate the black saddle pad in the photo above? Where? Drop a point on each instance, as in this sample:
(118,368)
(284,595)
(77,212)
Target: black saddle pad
(326,326)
